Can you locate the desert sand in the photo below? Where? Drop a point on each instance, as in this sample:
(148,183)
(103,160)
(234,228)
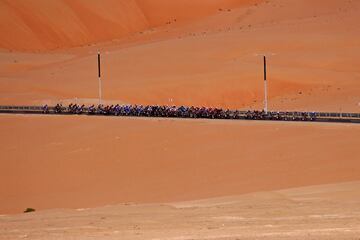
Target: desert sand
(216,60)
(318,212)
(75,162)
(206,53)
(52,24)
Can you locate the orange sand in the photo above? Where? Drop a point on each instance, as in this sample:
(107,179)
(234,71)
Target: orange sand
(53,24)
(74,162)
(322,212)
(206,57)
(214,60)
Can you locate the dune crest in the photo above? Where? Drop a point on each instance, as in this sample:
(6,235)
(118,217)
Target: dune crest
(49,24)
(59,24)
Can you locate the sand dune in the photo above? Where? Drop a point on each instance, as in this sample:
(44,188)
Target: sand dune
(208,57)
(159,12)
(214,61)
(79,162)
(54,24)
(51,24)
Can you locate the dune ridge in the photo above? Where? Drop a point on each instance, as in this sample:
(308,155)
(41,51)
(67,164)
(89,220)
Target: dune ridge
(60,24)
(51,24)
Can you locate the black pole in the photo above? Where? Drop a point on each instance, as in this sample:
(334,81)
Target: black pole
(99,65)
(264,68)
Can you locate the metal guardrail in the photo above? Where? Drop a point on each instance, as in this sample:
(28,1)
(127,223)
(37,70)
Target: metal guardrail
(285,116)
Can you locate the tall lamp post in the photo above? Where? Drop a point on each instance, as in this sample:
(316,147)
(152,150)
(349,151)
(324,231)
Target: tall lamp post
(99,76)
(265,88)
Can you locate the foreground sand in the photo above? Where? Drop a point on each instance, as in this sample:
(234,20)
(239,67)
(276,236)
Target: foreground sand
(209,56)
(80,161)
(317,212)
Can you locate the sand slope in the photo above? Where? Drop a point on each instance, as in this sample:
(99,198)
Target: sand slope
(214,61)
(53,24)
(323,212)
(159,12)
(75,162)
(207,57)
